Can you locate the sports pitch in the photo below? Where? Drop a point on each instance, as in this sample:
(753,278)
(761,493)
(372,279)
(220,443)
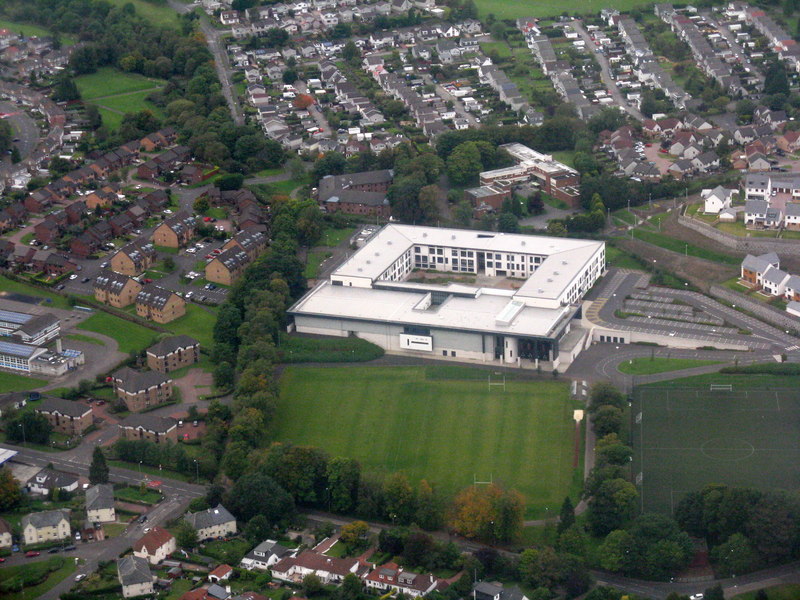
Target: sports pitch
(442,424)
(686,438)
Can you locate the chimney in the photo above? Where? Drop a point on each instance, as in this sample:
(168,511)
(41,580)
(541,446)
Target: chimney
(58,345)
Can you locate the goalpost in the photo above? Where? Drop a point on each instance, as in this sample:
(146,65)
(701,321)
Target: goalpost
(500,380)
(720,387)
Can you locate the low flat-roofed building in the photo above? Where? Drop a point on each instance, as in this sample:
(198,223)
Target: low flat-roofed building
(525,322)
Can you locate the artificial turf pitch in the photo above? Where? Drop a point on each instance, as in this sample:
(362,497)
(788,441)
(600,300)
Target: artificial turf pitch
(442,424)
(687,438)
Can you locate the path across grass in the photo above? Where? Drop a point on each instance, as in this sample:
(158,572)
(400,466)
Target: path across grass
(131,337)
(442,424)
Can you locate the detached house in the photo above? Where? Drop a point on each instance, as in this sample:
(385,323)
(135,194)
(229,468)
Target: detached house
(173,353)
(390,577)
(47,480)
(212,523)
(45,526)
(66,416)
(134,575)
(116,289)
(175,232)
(159,304)
(717,199)
(155,545)
(264,555)
(100,504)
(141,389)
(329,569)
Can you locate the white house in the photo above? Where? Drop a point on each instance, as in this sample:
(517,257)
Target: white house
(5,534)
(45,526)
(717,199)
(212,523)
(264,555)
(100,504)
(155,546)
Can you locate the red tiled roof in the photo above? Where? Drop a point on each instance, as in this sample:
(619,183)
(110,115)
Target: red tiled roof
(152,540)
(221,571)
(198,594)
(317,562)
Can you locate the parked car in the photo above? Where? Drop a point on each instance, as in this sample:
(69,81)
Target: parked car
(147,280)
(86,279)
(143,518)
(60,286)
(53,550)
(32,554)
(80,577)
(195,424)
(73,276)
(70,547)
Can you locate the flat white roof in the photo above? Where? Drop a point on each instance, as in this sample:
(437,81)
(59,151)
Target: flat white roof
(488,312)
(372,260)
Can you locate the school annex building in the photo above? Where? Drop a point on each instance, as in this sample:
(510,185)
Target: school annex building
(521,304)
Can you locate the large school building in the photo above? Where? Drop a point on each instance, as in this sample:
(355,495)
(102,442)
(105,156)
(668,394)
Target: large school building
(516,299)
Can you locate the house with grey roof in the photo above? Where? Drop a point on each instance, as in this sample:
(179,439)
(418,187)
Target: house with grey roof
(45,526)
(47,480)
(754,267)
(484,590)
(212,523)
(141,389)
(172,353)
(66,416)
(100,503)
(135,577)
(263,556)
(150,428)
(755,213)
(773,281)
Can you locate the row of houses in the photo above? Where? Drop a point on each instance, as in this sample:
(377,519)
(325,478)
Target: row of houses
(779,40)
(706,59)
(764,274)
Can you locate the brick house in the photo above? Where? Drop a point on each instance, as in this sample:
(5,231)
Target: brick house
(159,304)
(173,353)
(134,258)
(227,267)
(150,428)
(252,241)
(141,389)
(754,267)
(65,416)
(115,289)
(357,193)
(175,232)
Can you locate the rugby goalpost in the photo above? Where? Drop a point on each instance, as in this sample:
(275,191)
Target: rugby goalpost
(720,387)
(500,380)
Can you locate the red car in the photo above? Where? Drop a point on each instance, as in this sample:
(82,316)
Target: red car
(207,219)
(2,560)
(32,554)
(217,251)
(147,280)
(209,256)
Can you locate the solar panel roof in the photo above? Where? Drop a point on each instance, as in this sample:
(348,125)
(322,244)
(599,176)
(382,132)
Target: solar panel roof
(11,316)
(17,349)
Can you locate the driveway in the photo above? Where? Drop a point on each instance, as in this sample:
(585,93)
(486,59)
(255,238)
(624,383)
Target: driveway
(658,158)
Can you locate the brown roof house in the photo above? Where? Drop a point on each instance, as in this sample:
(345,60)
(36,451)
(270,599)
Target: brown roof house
(155,546)
(134,258)
(159,304)
(227,267)
(175,232)
(150,428)
(173,353)
(116,289)
(141,389)
(66,416)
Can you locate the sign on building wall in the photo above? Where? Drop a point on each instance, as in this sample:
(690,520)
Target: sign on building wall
(416,342)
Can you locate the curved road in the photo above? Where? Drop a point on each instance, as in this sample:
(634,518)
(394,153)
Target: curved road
(24,129)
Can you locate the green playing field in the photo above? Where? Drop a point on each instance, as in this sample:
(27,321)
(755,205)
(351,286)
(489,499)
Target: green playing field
(443,424)
(687,438)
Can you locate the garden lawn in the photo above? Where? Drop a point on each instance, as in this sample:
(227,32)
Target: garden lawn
(10,382)
(618,258)
(130,337)
(445,426)
(313,262)
(112,82)
(134,494)
(35,30)
(786,591)
(198,322)
(647,366)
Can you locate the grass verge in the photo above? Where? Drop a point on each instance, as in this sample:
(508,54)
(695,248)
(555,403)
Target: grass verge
(647,366)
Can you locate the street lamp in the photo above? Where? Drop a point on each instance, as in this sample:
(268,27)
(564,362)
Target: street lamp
(196,471)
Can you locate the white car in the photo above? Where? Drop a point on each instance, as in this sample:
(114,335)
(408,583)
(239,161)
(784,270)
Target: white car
(80,577)
(73,276)
(191,250)
(696,597)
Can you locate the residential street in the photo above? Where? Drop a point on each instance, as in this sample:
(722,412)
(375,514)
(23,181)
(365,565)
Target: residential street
(605,73)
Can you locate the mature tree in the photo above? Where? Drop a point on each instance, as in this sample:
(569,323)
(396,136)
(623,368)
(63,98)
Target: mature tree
(404,198)
(614,454)
(312,584)
(258,529)
(775,79)
(354,534)
(508,223)
(429,203)
(399,498)
(350,52)
(332,163)
(566,516)
(429,512)
(773,526)
(714,593)
(612,505)
(236,459)
(224,376)
(231,181)
(464,164)
(735,556)
(462,213)
(185,535)
(489,513)
(418,548)
(300,470)
(540,567)
(65,89)
(607,419)
(573,541)
(351,588)
(201,204)
(689,514)
(10,491)
(603,393)
(28,427)
(343,477)
(98,470)
(618,552)
(259,494)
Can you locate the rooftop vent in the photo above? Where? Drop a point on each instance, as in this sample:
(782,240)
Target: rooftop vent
(563,262)
(549,280)
(424,234)
(540,290)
